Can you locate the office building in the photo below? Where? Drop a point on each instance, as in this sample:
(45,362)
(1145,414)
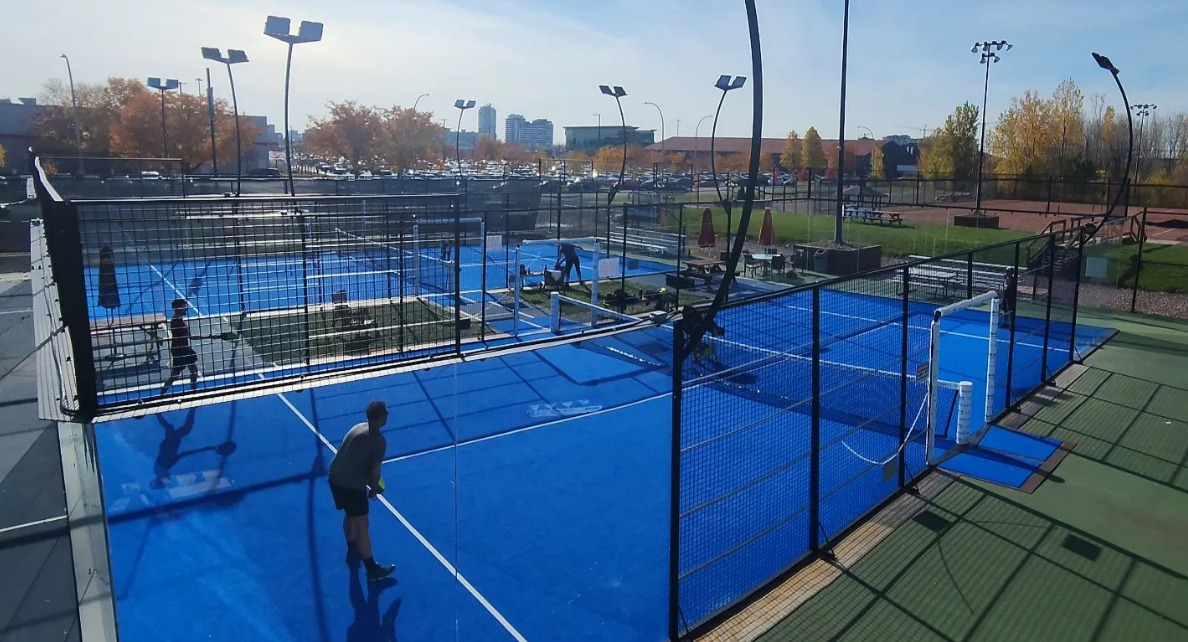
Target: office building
(536,134)
(486,121)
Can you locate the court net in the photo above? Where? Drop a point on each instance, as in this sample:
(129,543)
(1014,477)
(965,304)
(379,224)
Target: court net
(425,269)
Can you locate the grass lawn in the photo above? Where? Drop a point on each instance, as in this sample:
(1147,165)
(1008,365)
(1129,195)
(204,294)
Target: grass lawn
(1164,269)
(896,240)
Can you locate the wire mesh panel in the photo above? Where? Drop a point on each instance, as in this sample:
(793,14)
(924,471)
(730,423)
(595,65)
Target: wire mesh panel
(1066,262)
(745,454)
(206,293)
(1026,317)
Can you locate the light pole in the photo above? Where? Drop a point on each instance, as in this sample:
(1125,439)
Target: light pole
(598,143)
(461,105)
(661,127)
(210,111)
(988,54)
(277,27)
(617,93)
(1143,110)
(234,56)
(418,100)
(869,134)
(1105,63)
(841,128)
(163,86)
(697,151)
(199,81)
(726,84)
(77,124)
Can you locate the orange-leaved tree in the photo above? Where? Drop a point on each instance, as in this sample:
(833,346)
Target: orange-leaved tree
(137,132)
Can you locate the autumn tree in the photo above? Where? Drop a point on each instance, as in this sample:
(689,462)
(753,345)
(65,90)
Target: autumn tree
(610,158)
(137,130)
(404,136)
(1037,136)
(99,107)
(953,148)
(351,131)
(877,169)
(812,156)
(790,159)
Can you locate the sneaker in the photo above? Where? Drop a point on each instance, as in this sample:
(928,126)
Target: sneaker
(377,572)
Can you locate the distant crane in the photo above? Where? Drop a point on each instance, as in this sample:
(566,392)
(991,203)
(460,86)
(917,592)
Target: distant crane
(923,129)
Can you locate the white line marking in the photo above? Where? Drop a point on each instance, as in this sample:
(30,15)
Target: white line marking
(39,522)
(22,311)
(420,538)
(517,431)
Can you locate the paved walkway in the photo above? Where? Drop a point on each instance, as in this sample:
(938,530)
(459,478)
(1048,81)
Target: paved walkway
(1098,552)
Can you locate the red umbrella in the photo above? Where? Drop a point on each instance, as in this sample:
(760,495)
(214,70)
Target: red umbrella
(706,238)
(766,233)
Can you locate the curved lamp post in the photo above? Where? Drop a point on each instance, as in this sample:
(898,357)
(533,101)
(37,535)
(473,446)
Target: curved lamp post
(277,27)
(234,57)
(697,150)
(661,127)
(77,124)
(418,100)
(1105,63)
(163,86)
(461,105)
(726,84)
(988,52)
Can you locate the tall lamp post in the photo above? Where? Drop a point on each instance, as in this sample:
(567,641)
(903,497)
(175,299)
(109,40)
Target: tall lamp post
(987,52)
(697,151)
(1143,110)
(461,105)
(1105,63)
(418,100)
(661,127)
(77,124)
(841,128)
(278,27)
(726,84)
(210,111)
(617,93)
(163,86)
(234,56)
(869,134)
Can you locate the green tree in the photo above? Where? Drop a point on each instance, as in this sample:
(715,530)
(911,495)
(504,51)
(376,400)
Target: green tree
(877,170)
(812,155)
(952,150)
(790,159)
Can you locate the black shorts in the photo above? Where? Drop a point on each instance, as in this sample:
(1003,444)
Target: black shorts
(184,358)
(353,501)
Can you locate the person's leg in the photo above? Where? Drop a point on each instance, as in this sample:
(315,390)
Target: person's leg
(174,372)
(360,526)
(577,264)
(193,376)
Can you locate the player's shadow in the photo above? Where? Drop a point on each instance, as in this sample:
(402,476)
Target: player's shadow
(369,625)
(169,452)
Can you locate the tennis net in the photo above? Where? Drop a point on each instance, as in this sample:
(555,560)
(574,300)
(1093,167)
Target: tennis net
(416,266)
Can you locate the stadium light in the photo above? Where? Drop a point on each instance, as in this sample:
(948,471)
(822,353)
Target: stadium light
(77,124)
(278,27)
(234,57)
(461,105)
(1105,63)
(726,84)
(163,86)
(987,52)
(1143,110)
(617,93)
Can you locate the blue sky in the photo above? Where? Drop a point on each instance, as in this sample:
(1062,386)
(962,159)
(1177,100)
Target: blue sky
(910,62)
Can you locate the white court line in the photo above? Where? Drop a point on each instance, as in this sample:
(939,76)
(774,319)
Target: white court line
(517,431)
(22,311)
(39,522)
(419,537)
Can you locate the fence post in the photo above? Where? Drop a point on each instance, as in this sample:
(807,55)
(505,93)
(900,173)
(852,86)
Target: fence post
(64,242)
(1014,314)
(1048,310)
(903,375)
(1138,260)
(305,258)
(674,510)
(969,290)
(815,447)
(1076,302)
(457,269)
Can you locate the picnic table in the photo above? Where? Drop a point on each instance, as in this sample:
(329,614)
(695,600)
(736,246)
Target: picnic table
(871,215)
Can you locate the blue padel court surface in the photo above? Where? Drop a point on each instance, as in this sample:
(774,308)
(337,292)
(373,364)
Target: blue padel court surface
(528,494)
(227,286)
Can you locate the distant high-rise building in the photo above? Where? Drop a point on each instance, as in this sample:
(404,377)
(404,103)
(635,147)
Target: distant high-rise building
(486,125)
(537,134)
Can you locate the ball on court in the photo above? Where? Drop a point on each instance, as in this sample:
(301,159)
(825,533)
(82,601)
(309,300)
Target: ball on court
(382,485)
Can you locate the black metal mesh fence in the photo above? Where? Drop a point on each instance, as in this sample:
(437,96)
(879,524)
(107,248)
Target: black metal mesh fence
(812,408)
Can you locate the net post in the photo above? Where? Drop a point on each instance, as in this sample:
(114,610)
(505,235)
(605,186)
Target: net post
(674,509)
(64,245)
(969,279)
(992,359)
(456,271)
(416,260)
(594,284)
(933,373)
(964,411)
(555,312)
(483,276)
(815,438)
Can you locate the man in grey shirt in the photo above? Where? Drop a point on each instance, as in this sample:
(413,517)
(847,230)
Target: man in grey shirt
(355,478)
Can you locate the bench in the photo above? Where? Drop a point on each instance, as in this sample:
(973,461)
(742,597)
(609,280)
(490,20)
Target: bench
(871,215)
(152,325)
(941,281)
(986,276)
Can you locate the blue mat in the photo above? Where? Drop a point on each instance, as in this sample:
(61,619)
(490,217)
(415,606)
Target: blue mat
(1010,458)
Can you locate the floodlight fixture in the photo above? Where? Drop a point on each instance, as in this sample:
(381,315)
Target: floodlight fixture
(727,83)
(233,57)
(278,27)
(986,51)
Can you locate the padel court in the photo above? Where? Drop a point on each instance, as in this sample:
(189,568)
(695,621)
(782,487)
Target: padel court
(527,490)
